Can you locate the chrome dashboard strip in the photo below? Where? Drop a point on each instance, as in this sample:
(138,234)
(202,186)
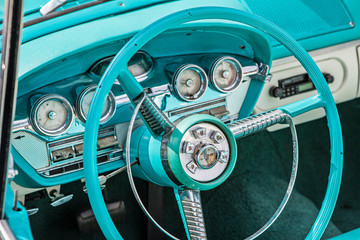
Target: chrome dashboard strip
(21,124)
(198,107)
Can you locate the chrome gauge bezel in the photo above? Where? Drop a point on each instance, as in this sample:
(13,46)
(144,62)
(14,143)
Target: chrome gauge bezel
(146,74)
(35,108)
(238,79)
(203,86)
(106,61)
(80,113)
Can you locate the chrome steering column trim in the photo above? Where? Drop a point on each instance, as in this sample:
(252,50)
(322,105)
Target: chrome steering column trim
(155,119)
(257,123)
(189,203)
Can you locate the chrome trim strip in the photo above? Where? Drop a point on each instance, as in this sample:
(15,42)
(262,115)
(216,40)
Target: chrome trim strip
(253,124)
(190,204)
(5,231)
(250,70)
(198,107)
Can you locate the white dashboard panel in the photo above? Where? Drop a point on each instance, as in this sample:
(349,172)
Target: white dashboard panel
(341,61)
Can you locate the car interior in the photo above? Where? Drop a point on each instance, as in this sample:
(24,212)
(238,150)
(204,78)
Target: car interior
(128,111)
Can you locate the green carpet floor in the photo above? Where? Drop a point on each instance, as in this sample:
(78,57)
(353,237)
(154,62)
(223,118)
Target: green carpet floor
(248,198)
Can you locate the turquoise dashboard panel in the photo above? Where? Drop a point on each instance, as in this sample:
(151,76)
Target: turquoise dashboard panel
(303,18)
(336,20)
(331,38)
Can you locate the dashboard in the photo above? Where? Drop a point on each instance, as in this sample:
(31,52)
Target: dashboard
(62,67)
(51,114)
(224,69)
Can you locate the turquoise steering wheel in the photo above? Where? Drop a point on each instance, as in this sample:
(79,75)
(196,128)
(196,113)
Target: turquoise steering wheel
(118,67)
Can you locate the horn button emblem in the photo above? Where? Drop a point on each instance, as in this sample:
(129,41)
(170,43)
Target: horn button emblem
(206,156)
(204,152)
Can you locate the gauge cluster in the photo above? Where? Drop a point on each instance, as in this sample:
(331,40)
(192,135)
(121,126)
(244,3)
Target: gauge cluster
(52,114)
(190,81)
(188,78)
(180,85)
(226,74)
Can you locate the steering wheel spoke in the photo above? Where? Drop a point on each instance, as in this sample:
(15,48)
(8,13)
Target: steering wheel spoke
(299,107)
(155,119)
(190,207)
(259,122)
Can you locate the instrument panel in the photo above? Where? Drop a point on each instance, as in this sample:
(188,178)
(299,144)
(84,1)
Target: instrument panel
(182,85)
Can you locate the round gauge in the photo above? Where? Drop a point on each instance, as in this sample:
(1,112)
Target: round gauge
(190,82)
(140,65)
(51,115)
(83,104)
(226,74)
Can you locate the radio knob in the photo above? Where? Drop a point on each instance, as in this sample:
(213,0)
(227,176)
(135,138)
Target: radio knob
(329,78)
(276,92)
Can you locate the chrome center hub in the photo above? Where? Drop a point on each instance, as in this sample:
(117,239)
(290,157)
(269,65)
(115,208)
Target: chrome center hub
(226,74)
(204,152)
(52,115)
(206,156)
(189,82)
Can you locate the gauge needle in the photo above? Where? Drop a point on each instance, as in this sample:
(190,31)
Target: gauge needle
(46,121)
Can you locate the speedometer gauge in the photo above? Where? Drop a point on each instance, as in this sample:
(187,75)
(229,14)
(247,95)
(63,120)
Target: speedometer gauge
(140,65)
(83,104)
(190,82)
(51,115)
(226,74)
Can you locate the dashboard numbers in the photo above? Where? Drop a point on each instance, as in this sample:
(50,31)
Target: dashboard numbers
(226,74)
(190,82)
(51,115)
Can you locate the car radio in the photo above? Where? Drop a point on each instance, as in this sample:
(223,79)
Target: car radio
(296,85)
